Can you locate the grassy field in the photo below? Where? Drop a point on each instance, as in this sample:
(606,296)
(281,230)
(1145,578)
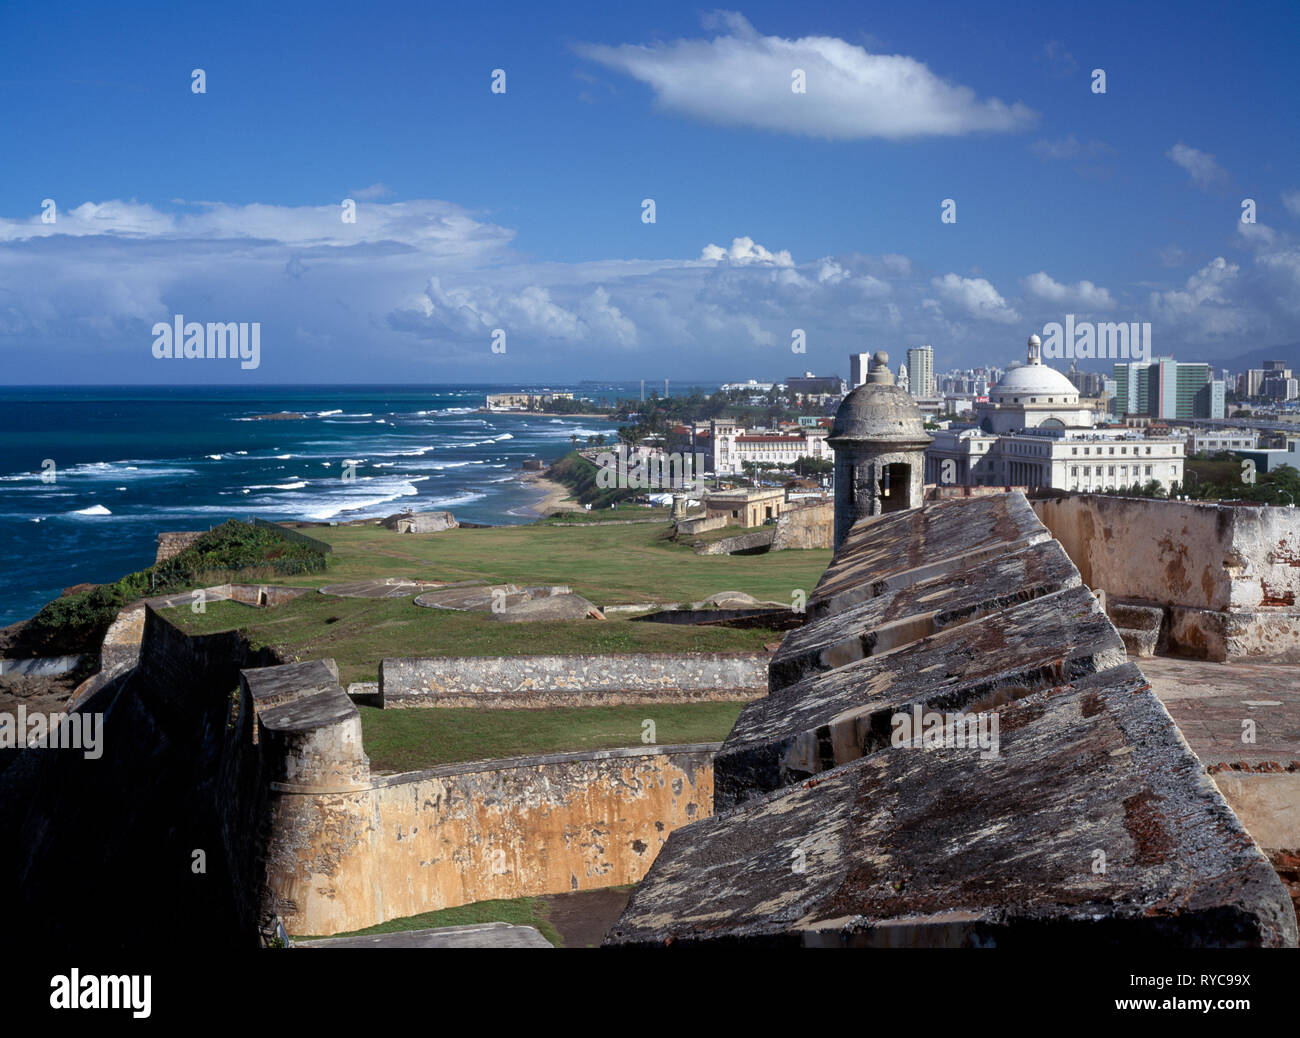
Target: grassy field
(409,740)
(605,563)
(359,632)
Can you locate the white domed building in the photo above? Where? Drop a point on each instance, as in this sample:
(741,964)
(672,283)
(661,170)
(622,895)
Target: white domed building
(1033,434)
(1030,396)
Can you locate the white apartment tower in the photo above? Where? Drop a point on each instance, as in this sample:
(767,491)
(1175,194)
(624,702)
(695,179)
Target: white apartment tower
(920,371)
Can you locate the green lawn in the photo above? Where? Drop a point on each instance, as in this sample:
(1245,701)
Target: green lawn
(423,737)
(359,632)
(606,563)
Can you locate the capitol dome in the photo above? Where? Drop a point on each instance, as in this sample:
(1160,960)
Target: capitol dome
(1034,382)
(878,410)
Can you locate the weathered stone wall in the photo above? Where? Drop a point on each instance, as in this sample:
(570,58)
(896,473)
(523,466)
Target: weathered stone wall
(1228,576)
(745,542)
(178,777)
(812,526)
(473,832)
(172,544)
(1196,554)
(576,680)
(689,527)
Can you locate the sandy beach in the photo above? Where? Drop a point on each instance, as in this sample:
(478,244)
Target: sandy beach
(556,496)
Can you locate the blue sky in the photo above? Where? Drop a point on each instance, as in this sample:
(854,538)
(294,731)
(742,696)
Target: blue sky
(523,210)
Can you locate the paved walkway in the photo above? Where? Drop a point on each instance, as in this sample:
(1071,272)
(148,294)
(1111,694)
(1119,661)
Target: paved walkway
(1209,701)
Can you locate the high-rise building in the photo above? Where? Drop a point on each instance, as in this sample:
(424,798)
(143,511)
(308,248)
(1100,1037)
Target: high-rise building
(1279,387)
(859,365)
(1164,388)
(920,371)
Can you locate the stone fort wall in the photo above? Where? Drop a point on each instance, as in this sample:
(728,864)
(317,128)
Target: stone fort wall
(579,679)
(454,835)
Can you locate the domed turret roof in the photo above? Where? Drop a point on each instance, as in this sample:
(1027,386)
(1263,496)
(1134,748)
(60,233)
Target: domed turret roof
(878,410)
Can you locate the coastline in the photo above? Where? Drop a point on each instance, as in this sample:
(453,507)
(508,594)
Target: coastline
(555,497)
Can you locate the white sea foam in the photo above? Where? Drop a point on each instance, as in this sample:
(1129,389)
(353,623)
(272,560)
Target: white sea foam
(449,502)
(93,510)
(358,502)
(103,470)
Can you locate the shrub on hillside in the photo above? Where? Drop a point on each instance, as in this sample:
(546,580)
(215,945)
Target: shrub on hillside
(77,622)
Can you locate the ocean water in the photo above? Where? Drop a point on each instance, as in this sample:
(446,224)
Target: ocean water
(130,463)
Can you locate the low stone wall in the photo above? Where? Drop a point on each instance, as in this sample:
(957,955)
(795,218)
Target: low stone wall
(574,680)
(812,526)
(1271,635)
(690,527)
(259,594)
(745,542)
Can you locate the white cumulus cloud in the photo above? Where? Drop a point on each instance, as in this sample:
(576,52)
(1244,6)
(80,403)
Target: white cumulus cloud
(1082,294)
(1200,166)
(742,78)
(745,251)
(976,296)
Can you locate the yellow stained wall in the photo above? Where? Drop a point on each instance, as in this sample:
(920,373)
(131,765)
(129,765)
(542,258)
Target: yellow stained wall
(430,840)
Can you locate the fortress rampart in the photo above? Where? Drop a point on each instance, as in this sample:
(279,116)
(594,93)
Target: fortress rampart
(1226,577)
(855,805)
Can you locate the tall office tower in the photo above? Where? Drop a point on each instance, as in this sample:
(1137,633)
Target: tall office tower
(1163,388)
(920,371)
(859,363)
